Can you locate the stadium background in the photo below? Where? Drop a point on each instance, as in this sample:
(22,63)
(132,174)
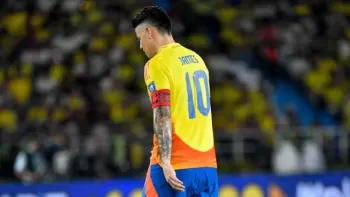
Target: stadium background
(71,76)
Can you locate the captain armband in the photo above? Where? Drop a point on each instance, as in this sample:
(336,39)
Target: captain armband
(160,98)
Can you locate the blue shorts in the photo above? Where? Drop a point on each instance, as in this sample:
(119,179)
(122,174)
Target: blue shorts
(199,182)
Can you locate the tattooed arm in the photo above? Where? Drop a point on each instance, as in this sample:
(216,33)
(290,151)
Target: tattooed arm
(163,131)
(162,126)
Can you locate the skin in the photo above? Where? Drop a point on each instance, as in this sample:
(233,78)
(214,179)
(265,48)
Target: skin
(151,40)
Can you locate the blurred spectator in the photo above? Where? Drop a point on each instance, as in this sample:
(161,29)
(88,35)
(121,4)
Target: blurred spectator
(29,164)
(312,157)
(291,117)
(61,164)
(286,159)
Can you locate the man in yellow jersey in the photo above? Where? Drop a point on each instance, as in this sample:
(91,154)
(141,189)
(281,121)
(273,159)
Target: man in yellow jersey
(183,162)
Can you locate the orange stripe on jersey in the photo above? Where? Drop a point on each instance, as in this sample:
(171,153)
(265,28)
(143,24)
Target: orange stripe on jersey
(183,156)
(160,98)
(149,187)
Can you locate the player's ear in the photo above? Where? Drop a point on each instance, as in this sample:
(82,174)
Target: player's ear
(148,31)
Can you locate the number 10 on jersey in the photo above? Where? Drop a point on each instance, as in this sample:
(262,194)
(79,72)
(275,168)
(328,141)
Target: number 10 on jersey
(196,77)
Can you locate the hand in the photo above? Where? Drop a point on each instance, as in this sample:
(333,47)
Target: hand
(170,177)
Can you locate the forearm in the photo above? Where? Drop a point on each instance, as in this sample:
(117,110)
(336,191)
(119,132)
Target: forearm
(163,131)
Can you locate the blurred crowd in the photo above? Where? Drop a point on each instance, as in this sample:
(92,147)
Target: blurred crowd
(72,88)
(311,41)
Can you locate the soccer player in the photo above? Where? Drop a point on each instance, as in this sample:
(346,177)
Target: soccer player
(183,162)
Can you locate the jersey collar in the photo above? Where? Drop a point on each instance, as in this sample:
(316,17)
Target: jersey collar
(172,45)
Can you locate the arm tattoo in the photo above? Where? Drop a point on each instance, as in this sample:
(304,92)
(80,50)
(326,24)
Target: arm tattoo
(163,131)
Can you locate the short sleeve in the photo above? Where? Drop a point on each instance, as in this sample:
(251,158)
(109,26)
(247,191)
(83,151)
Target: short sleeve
(157,79)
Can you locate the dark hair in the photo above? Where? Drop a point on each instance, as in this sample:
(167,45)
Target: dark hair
(154,15)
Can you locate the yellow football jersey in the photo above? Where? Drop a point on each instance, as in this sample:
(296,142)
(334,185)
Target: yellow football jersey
(183,73)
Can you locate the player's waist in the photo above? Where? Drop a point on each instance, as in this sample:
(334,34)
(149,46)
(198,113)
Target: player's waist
(180,160)
(186,164)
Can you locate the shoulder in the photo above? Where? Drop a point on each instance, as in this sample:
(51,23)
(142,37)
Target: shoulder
(152,68)
(158,63)
(153,62)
